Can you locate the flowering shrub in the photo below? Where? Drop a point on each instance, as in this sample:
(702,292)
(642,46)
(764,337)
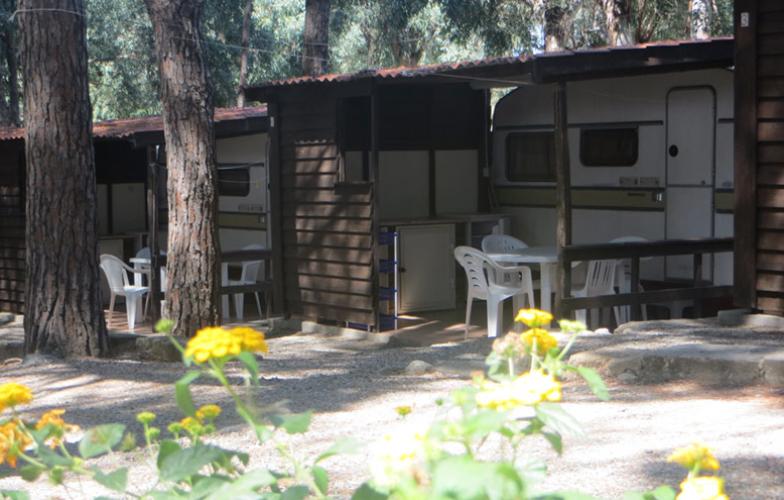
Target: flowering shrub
(475,449)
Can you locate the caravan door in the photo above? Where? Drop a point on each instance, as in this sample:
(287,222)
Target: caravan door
(691,132)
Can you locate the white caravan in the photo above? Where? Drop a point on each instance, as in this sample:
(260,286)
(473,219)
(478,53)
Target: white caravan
(650,156)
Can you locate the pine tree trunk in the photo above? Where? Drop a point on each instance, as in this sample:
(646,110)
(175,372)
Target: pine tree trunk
(63,313)
(699,18)
(315,50)
(193,288)
(247,12)
(618,16)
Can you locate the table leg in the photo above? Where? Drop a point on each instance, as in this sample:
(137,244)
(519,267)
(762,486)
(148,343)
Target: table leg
(547,275)
(224,297)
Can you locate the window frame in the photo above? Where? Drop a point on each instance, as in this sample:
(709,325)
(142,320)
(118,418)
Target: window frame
(236,166)
(551,178)
(613,164)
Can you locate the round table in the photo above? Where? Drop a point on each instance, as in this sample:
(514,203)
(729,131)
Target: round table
(546,257)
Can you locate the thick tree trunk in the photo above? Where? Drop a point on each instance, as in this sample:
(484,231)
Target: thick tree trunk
(247,12)
(554,32)
(193,288)
(62,295)
(315,49)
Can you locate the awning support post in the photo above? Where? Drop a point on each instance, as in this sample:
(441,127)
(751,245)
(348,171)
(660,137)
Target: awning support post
(562,196)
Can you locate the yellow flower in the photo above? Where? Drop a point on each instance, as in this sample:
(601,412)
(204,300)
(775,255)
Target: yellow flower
(403,410)
(192,426)
(397,456)
(538,340)
(145,417)
(569,326)
(528,389)
(217,343)
(175,428)
(13,394)
(702,488)
(208,413)
(695,455)
(59,427)
(533,318)
(12,441)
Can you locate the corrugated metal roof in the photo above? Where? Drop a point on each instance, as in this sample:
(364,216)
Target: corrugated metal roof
(468,68)
(125,128)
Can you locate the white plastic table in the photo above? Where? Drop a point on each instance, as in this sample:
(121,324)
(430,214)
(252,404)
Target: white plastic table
(143,263)
(546,257)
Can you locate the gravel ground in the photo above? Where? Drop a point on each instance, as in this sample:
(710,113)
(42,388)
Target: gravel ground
(354,386)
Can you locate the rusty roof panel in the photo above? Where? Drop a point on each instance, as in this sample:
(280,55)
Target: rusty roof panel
(126,128)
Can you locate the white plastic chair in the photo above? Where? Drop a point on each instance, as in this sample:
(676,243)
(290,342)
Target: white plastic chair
(599,280)
(116,272)
(249,276)
(624,281)
(485,283)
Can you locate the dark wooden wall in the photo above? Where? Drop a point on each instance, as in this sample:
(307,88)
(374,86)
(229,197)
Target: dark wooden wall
(327,230)
(12,221)
(759,154)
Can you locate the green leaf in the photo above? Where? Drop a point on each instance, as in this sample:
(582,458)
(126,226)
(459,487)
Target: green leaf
(344,446)
(565,495)
(296,492)
(462,477)
(100,440)
(555,441)
(295,423)
(483,423)
(660,493)
(367,492)
(207,485)
(116,480)
(182,393)
(557,419)
(249,360)
(166,448)
(595,382)
(30,472)
(51,458)
(14,495)
(321,478)
(244,485)
(184,463)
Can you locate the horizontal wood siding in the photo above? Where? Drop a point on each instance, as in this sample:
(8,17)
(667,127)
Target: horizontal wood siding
(12,249)
(759,159)
(327,230)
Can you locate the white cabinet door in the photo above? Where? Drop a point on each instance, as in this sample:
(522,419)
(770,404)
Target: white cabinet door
(427,267)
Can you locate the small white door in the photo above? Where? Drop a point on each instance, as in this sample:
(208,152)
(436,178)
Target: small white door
(427,267)
(691,130)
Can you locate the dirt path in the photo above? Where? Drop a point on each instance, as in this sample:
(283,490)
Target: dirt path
(354,386)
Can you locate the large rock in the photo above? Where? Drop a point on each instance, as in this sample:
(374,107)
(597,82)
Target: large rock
(156,348)
(419,367)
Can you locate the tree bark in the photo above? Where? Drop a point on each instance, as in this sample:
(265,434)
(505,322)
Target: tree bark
(193,289)
(315,48)
(63,312)
(247,12)
(699,18)
(554,32)
(620,29)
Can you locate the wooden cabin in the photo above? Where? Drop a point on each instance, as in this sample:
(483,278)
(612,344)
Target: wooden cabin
(759,155)
(122,163)
(362,159)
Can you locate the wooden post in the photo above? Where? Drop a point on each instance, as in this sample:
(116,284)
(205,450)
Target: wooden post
(276,209)
(634,287)
(152,232)
(745,256)
(562,194)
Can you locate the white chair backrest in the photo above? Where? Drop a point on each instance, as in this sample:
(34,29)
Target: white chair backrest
(501,243)
(144,253)
(474,261)
(115,271)
(250,269)
(600,277)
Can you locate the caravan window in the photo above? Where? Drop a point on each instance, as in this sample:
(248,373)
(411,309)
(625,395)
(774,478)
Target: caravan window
(530,157)
(609,147)
(233,180)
